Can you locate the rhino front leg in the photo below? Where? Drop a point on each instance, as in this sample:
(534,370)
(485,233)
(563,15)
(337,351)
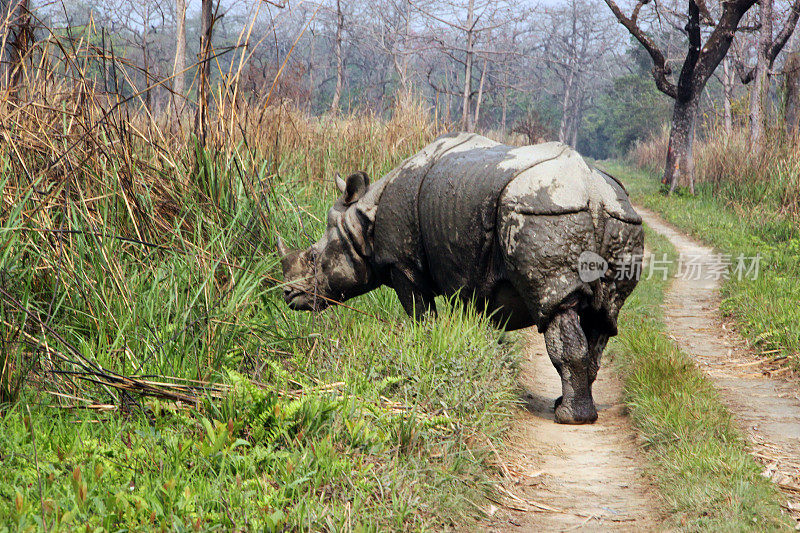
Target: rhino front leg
(576,363)
(415,297)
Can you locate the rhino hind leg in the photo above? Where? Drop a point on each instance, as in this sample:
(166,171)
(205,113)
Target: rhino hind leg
(576,357)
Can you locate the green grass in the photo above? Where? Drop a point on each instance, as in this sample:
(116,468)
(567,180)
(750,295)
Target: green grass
(698,457)
(765,309)
(346,420)
(355,419)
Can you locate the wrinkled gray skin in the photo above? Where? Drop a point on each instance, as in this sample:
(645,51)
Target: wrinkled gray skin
(499,225)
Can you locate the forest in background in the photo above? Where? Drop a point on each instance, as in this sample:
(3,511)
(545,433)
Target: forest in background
(148,362)
(550,70)
(562,71)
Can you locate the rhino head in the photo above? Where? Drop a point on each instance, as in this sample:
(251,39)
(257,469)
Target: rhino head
(336,267)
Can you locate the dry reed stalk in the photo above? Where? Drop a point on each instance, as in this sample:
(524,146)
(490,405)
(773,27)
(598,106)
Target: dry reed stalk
(80,141)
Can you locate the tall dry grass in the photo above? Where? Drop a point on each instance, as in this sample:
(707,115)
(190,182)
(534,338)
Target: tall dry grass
(650,154)
(729,165)
(69,138)
(95,185)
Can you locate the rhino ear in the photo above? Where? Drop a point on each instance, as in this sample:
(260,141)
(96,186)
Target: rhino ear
(355,187)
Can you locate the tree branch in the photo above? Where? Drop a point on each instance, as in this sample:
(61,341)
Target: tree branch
(439,19)
(785,33)
(719,41)
(661,70)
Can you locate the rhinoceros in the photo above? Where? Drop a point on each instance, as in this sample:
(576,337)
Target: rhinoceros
(531,234)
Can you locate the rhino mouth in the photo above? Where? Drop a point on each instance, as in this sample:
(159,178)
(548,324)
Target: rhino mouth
(300,300)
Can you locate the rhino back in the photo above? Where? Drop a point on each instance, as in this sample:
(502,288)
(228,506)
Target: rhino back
(458,213)
(566,184)
(438,211)
(396,236)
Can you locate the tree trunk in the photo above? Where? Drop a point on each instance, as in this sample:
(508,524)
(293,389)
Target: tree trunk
(563,134)
(337,94)
(401,64)
(310,103)
(570,82)
(400,69)
(15,33)
(467,104)
(760,89)
(679,169)
(727,89)
(480,92)
(206,28)
(448,110)
(574,136)
(179,77)
(503,125)
(399,55)
(791,105)
(436,110)
(148,95)
(575,125)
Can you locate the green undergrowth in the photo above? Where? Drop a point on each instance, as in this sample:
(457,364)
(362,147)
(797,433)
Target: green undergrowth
(353,419)
(765,308)
(698,457)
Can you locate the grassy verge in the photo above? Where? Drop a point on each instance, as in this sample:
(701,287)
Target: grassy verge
(164,270)
(765,308)
(698,457)
(397,442)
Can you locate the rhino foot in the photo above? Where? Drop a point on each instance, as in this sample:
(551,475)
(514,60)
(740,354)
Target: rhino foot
(575,412)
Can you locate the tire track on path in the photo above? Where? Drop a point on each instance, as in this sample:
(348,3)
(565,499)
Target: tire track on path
(766,408)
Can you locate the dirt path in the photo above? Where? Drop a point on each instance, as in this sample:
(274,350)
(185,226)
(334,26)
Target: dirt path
(566,478)
(766,408)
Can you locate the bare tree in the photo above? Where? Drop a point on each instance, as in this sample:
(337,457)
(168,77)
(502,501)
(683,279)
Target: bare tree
(577,41)
(392,34)
(446,32)
(206,32)
(508,62)
(767,50)
(791,87)
(699,64)
(15,38)
(337,93)
(143,30)
(484,60)
(180,49)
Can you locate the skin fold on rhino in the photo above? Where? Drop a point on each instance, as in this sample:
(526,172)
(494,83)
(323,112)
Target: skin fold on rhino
(508,228)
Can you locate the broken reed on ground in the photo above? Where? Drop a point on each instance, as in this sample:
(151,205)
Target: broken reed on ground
(697,456)
(138,268)
(747,202)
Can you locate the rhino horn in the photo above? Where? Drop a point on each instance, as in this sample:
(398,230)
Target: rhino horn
(282,249)
(340,183)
